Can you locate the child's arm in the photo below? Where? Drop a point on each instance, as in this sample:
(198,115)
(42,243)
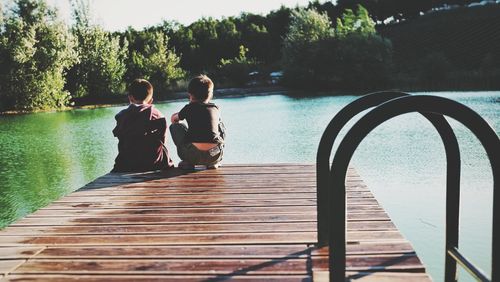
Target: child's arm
(175,118)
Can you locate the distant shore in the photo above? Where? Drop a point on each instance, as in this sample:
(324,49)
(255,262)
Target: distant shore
(170,97)
(93,103)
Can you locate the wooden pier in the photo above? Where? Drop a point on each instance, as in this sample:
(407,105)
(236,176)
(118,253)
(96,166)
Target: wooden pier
(239,222)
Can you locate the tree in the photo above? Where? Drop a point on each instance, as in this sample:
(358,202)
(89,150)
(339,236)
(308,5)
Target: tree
(352,56)
(101,66)
(236,70)
(363,58)
(307,29)
(277,23)
(358,22)
(434,69)
(36,49)
(152,60)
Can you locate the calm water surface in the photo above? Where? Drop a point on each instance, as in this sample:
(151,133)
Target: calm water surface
(45,156)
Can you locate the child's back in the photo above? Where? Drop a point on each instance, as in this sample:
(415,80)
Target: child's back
(203,121)
(202,140)
(141,133)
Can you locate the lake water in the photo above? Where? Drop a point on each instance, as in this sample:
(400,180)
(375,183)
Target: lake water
(47,155)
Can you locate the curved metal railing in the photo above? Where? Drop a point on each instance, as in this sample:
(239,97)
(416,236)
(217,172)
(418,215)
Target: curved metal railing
(332,201)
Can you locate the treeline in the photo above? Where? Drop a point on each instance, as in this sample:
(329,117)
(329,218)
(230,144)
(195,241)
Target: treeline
(47,64)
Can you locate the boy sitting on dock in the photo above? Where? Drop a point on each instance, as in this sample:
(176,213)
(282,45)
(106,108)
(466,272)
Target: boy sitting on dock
(201,142)
(141,132)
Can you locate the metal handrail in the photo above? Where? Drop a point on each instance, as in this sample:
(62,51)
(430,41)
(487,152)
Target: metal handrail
(382,113)
(323,170)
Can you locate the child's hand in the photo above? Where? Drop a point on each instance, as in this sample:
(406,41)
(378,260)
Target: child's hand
(175,118)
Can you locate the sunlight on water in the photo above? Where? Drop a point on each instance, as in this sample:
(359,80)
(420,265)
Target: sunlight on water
(45,156)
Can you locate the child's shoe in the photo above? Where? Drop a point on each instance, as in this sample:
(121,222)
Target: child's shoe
(214,166)
(185,165)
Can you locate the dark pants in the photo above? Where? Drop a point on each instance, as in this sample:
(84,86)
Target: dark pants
(189,153)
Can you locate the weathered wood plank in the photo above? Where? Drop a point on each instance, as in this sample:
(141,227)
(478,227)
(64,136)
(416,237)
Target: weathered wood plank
(24,252)
(194,239)
(165,239)
(216,218)
(166,266)
(408,262)
(174,211)
(370,248)
(7,266)
(211,252)
(376,276)
(185,203)
(265,227)
(155,278)
(168,191)
(205,218)
(226,197)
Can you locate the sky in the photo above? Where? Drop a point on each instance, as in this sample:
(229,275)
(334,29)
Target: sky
(115,15)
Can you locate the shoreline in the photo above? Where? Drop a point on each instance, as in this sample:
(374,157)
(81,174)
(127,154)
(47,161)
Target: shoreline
(171,97)
(233,92)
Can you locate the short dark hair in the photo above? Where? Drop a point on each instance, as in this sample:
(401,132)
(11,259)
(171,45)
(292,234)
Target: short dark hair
(201,87)
(140,89)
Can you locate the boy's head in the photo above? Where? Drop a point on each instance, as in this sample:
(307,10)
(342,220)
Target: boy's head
(141,91)
(201,88)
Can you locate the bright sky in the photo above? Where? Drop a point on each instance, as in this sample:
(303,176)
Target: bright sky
(119,14)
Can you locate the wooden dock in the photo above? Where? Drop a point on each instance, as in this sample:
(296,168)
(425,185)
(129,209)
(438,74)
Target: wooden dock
(239,222)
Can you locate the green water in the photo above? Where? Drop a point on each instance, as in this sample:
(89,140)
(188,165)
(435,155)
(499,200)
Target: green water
(47,155)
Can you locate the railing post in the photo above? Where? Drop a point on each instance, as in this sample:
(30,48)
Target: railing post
(325,149)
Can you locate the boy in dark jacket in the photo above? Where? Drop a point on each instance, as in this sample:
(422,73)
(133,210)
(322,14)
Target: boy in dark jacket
(141,132)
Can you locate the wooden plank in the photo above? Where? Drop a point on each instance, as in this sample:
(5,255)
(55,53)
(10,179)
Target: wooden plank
(155,278)
(206,218)
(186,203)
(166,266)
(380,262)
(226,197)
(174,211)
(275,177)
(265,227)
(63,209)
(370,248)
(375,276)
(10,253)
(212,201)
(193,239)
(157,191)
(166,239)
(164,252)
(7,266)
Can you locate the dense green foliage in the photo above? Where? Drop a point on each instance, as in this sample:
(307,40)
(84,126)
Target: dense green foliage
(302,47)
(101,65)
(451,49)
(35,51)
(236,70)
(150,58)
(347,45)
(351,56)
